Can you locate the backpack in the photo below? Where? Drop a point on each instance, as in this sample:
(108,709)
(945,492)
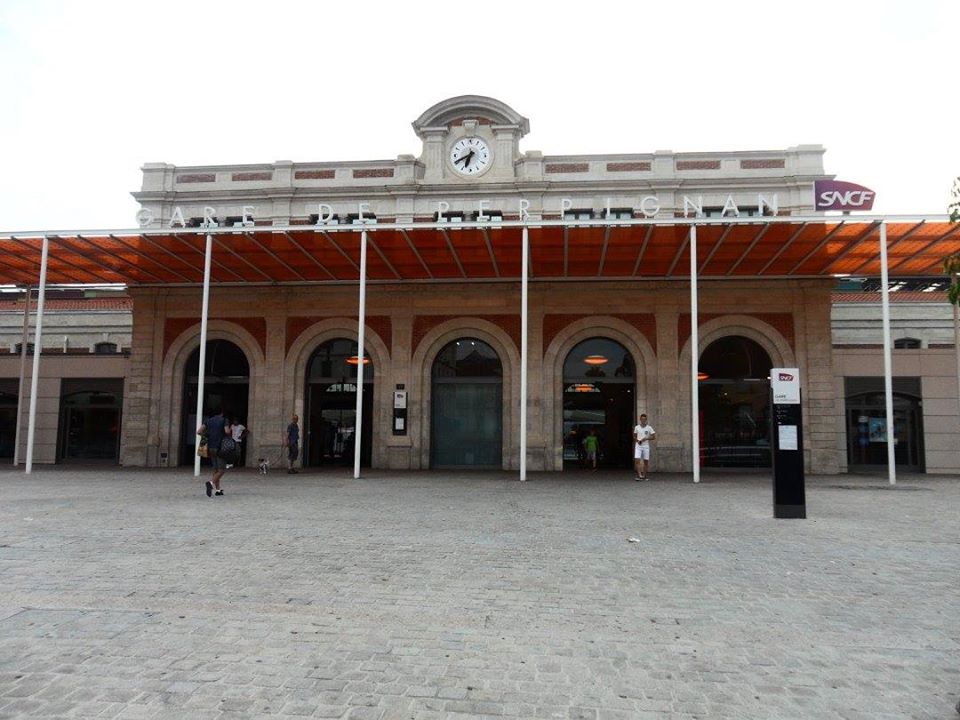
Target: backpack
(229,452)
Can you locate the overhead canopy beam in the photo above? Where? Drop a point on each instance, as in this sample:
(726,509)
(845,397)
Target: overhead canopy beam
(936,264)
(716,246)
(26,246)
(111,259)
(140,253)
(101,278)
(340,250)
(750,247)
(309,256)
(783,248)
(643,249)
(383,257)
(680,250)
(170,253)
(453,251)
(413,249)
(201,253)
(493,257)
(276,258)
(861,238)
(603,250)
(819,246)
(226,246)
(906,236)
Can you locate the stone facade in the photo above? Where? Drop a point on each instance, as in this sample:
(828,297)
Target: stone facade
(410,188)
(279,327)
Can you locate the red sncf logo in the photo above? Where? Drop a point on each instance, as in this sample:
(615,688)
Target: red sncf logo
(786,377)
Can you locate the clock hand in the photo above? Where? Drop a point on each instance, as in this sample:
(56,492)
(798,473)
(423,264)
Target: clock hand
(467,158)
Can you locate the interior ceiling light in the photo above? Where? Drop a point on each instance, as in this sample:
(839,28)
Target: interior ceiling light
(702,376)
(595,360)
(585,387)
(354,360)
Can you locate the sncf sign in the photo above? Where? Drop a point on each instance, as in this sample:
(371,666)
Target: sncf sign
(838,195)
(785,377)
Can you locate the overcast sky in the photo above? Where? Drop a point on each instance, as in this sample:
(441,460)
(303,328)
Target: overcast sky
(89,91)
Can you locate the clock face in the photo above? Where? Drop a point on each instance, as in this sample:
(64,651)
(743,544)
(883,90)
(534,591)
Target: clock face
(470,156)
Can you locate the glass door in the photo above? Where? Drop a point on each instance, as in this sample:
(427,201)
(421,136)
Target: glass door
(467,429)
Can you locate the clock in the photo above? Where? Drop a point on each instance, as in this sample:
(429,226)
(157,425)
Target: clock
(470,156)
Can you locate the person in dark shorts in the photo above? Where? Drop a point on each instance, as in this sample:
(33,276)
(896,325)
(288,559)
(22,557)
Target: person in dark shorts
(215,428)
(292,442)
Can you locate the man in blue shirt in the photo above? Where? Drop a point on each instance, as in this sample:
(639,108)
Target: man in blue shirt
(292,441)
(215,429)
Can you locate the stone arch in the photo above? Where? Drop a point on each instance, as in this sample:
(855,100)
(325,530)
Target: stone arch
(299,355)
(481,106)
(421,367)
(174,365)
(551,394)
(764,334)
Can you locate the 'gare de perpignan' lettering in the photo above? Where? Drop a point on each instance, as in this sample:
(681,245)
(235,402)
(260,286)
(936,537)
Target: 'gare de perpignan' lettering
(649,207)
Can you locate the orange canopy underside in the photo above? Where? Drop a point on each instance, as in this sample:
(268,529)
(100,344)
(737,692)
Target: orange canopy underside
(308,254)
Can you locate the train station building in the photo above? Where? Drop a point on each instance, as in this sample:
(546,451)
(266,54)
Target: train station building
(507,303)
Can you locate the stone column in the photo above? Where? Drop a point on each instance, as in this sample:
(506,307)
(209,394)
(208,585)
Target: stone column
(267,423)
(670,420)
(400,455)
(822,410)
(140,438)
(538,434)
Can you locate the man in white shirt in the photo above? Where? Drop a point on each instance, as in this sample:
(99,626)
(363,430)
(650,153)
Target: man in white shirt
(642,435)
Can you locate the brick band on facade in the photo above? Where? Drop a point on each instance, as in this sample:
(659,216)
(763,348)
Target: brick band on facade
(175,327)
(645,324)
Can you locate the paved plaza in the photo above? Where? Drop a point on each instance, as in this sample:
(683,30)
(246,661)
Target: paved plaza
(130,594)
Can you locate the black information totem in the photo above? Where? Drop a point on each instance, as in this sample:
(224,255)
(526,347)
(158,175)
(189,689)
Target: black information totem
(786,441)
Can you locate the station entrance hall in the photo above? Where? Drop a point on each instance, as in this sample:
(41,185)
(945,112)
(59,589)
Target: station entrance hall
(483,305)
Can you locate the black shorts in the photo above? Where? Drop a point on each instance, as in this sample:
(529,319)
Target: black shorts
(293,451)
(217,462)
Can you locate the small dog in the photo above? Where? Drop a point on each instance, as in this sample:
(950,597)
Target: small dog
(264,465)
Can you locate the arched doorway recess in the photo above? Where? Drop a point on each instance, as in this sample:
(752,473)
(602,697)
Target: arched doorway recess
(599,395)
(226,387)
(331,405)
(734,385)
(467,406)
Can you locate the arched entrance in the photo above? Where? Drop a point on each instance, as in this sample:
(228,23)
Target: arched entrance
(331,405)
(599,386)
(226,387)
(467,406)
(734,374)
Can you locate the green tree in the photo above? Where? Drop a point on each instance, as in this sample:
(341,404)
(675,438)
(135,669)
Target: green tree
(951,265)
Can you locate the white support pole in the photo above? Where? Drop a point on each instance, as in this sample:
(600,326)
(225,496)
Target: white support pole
(524,272)
(204,312)
(887,359)
(694,357)
(361,322)
(37,346)
(23,375)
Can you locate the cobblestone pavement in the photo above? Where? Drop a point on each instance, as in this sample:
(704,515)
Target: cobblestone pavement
(130,594)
